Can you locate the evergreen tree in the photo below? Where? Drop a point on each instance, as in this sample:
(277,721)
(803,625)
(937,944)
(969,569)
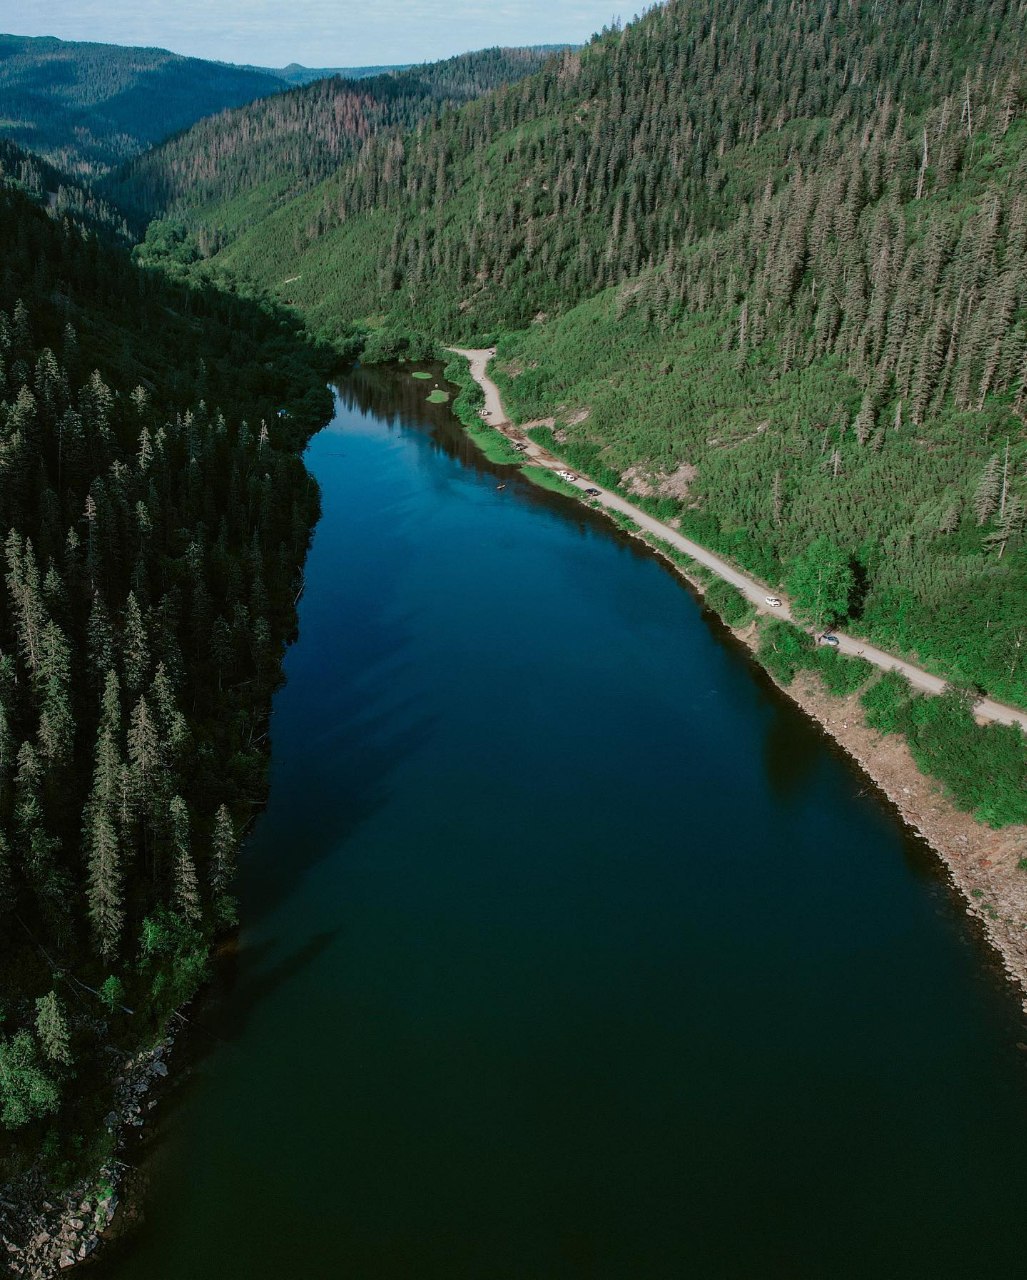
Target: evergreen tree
(52,1029)
(222,868)
(820,582)
(186,884)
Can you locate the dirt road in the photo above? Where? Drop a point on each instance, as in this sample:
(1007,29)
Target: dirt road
(757,592)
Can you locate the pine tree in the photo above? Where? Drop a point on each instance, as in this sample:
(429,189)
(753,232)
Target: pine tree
(6,875)
(173,726)
(135,647)
(144,756)
(99,642)
(222,868)
(186,885)
(987,492)
(104,890)
(1010,525)
(56,726)
(36,846)
(949,521)
(52,1029)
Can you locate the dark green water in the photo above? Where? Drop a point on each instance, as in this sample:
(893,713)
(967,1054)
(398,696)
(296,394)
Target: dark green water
(571,949)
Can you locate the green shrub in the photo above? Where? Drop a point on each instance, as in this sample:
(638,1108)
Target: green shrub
(784,649)
(842,675)
(887,703)
(982,767)
(729,602)
(177,956)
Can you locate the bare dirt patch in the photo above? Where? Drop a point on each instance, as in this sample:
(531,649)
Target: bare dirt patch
(659,484)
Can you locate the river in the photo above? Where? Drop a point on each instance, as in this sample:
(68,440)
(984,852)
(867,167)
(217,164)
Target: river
(570,947)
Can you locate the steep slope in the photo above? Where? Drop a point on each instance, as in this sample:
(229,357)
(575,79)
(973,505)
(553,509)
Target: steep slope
(155,513)
(86,107)
(60,195)
(228,172)
(768,264)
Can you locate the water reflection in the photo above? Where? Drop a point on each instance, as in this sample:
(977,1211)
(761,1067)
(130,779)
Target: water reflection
(570,947)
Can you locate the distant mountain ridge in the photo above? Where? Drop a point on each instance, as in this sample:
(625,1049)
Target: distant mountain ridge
(243,163)
(296,74)
(87,107)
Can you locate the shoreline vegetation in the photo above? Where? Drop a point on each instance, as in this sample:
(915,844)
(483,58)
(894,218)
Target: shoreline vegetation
(985,863)
(157,514)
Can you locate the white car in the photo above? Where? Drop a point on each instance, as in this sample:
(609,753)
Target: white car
(774,602)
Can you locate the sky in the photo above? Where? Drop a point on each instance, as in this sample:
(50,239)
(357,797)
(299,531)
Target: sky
(317,33)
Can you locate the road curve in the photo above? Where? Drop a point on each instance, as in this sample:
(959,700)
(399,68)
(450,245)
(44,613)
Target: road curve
(757,592)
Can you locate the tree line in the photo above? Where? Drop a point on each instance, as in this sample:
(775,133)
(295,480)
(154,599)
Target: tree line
(246,161)
(154,514)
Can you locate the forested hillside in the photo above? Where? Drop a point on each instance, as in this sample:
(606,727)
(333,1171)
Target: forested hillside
(229,172)
(154,514)
(767,264)
(60,195)
(86,107)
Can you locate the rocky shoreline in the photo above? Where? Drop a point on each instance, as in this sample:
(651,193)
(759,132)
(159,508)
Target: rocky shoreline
(41,1237)
(982,862)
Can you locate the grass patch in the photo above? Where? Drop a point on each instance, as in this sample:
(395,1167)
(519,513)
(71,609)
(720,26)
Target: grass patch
(546,479)
(493,444)
(438,396)
(421,374)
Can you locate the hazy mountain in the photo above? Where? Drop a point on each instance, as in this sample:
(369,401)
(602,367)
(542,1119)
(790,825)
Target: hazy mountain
(86,107)
(230,171)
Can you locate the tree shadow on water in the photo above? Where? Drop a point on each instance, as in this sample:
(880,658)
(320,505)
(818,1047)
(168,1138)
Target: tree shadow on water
(791,753)
(248,986)
(315,811)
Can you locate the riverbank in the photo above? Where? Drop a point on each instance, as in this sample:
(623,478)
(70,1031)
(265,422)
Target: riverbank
(983,863)
(44,1234)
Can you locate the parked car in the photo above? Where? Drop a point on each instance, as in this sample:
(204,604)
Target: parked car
(774,602)
(592,493)
(569,476)
(829,639)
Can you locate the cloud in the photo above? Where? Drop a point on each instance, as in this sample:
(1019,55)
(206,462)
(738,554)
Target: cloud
(315,32)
